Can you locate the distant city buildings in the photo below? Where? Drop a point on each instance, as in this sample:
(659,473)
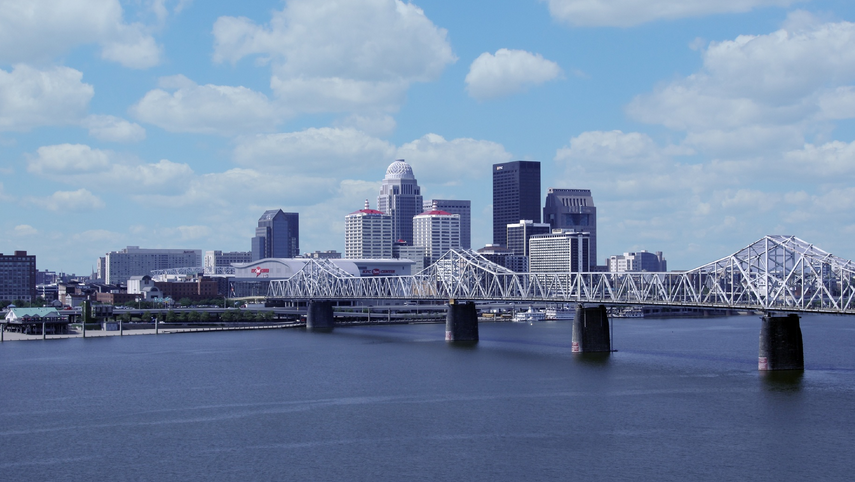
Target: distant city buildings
(561,251)
(219,259)
(437,232)
(328,254)
(572,209)
(520,232)
(400,197)
(416,254)
(277,235)
(638,261)
(455,206)
(18,276)
(505,257)
(367,234)
(133,261)
(516,196)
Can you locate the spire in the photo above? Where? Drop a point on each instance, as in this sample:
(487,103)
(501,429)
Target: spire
(367,206)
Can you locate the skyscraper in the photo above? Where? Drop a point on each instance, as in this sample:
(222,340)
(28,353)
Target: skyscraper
(18,277)
(455,206)
(400,197)
(520,232)
(277,235)
(516,196)
(572,209)
(367,234)
(437,231)
(564,251)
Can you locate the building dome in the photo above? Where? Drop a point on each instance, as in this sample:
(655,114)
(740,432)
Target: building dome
(399,170)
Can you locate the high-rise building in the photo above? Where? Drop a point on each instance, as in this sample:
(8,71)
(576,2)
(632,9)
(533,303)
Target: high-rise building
(133,261)
(18,276)
(367,234)
(504,257)
(572,209)
(638,261)
(519,234)
(416,254)
(277,235)
(455,206)
(437,231)
(401,198)
(516,195)
(561,251)
(219,259)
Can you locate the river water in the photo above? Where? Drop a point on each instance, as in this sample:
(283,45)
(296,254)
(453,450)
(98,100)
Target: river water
(681,400)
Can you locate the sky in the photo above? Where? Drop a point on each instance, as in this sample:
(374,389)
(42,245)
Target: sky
(699,126)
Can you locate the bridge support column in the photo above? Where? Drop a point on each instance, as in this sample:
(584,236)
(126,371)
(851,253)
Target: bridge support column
(319,316)
(781,344)
(461,322)
(591,330)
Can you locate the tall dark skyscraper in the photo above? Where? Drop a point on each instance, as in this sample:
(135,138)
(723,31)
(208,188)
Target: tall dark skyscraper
(277,235)
(516,196)
(572,209)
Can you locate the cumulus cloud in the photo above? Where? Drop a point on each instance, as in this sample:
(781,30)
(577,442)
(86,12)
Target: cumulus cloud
(113,129)
(74,201)
(206,109)
(625,13)
(328,55)
(32,98)
(760,90)
(79,164)
(44,29)
(438,160)
(314,150)
(508,72)
(375,125)
(25,230)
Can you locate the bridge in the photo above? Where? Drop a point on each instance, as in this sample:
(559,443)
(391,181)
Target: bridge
(778,275)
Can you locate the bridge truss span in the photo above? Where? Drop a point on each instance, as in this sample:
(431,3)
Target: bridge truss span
(776,273)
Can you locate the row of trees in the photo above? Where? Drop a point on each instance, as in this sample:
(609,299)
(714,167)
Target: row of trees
(173,316)
(36,303)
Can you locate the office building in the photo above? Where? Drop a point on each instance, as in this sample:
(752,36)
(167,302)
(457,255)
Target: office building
(416,254)
(516,195)
(437,231)
(219,259)
(18,276)
(572,209)
(561,251)
(455,206)
(277,235)
(367,234)
(504,257)
(133,261)
(327,254)
(520,232)
(401,198)
(638,261)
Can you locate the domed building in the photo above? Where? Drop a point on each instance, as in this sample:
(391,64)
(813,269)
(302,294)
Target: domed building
(401,198)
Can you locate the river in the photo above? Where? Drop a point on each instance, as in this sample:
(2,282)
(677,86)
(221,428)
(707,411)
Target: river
(681,400)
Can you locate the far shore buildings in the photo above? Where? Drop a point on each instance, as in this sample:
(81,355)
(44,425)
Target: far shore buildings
(638,261)
(277,235)
(368,234)
(437,232)
(220,259)
(455,206)
(18,276)
(561,251)
(134,261)
(400,197)
(516,195)
(572,209)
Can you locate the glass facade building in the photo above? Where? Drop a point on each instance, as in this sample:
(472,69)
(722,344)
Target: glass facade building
(516,196)
(277,235)
(572,209)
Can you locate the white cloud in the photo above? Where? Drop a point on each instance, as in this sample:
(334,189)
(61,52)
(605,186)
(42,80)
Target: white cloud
(436,160)
(31,98)
(25,230)
(625,13)
(328,55)
(831,162)
(206,109)
(320,151)
(376,125)
(760,91)
(113,129)
(76,201)
(508,72)
(79,164)
(40,30)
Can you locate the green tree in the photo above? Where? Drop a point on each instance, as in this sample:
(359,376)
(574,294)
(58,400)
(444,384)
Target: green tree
(185,302)
(193,316)
(171,316)
(227,316)
(204,317)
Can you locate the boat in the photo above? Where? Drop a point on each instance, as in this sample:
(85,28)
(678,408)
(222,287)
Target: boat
(530,315)
(562,313)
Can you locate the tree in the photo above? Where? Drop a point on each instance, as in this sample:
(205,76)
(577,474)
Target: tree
(204,317)
(185,302)
(171,316)
(193,316)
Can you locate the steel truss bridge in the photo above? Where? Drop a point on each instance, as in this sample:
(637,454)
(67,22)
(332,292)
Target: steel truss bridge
(776,273)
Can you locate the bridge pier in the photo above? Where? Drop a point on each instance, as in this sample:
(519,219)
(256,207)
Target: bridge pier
(591,332)
(461,323)
(319,316)
(781,344)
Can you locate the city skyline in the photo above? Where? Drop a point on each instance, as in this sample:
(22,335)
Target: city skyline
(698,128)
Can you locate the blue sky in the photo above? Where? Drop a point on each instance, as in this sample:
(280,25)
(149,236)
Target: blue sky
(699,126)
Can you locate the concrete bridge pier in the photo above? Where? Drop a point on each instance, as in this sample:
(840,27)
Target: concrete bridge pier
(591,332)
(319,316)
(461,323)
(781,344)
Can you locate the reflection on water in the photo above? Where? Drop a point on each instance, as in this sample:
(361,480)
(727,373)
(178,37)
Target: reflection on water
(783,380)
(593,359)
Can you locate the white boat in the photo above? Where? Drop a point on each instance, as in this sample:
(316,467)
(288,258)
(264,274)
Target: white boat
(560,313)
(530,315)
